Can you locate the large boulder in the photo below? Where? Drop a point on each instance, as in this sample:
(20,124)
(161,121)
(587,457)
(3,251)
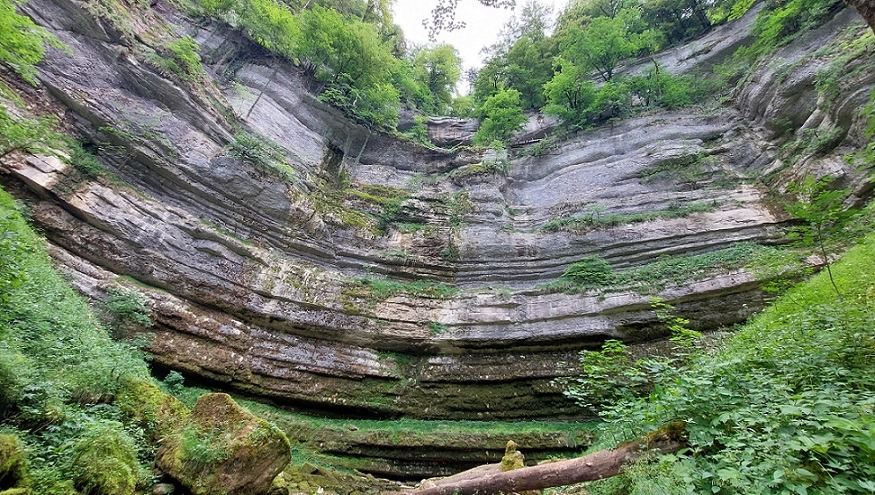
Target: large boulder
(224,449)
(159,414)
(13,466)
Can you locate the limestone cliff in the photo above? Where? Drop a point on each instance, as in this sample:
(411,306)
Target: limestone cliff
(369,275)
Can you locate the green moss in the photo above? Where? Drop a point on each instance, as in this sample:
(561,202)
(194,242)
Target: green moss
(362,294)
(482,168)
(159,414)
(13,463)
(180,57)
(458,205)
(105,460)
(436,329)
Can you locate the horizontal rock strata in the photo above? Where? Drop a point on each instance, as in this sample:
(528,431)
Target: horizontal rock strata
(303,288)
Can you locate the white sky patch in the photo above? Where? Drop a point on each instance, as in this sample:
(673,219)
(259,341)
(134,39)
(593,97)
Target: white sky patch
(483,26)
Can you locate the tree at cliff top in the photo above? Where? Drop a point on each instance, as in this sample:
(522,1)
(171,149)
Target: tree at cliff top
(500,116)
(351,64)
(435,71)
(605,42)
(521,59)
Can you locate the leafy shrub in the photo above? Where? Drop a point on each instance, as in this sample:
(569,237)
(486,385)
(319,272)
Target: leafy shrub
(125,311)
(85,162)
(664,271)
(20,134)
(263,153)
(611,375)
(180,57)
(783,21)
(22,42)
(199,447)
(501,116)
(63,363)
(785,407)
(592,271)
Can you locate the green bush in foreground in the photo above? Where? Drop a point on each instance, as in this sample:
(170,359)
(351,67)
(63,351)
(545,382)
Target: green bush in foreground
(787,407)
(59,372)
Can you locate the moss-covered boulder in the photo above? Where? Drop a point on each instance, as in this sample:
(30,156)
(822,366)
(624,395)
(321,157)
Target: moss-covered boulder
(159,414)
(224,450)
(105,460)
(13,466)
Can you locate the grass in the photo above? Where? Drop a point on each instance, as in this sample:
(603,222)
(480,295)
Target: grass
(659,274)
(787,406)
(380,289)
(595,219)
(262,153)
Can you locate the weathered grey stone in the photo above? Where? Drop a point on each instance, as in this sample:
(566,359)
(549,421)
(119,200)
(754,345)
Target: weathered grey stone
(256,282)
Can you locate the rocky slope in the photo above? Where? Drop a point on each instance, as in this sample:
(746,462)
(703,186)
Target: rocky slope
(375,277)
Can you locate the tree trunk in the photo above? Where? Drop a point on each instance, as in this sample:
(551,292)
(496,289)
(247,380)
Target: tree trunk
(595,466)
(866,8)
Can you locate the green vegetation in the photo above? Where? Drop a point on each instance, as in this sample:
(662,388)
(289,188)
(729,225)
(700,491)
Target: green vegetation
(501,116)
(104,460)
(596,217)
(180,57)
(785,407)
(22,134)
(594,273)
(86,163)
(125,312)
(436,329)
(380,289)
(593,38)
(611,375)
(200,447)
(435,71)
(824,217)
(867,154)
(59,369)
(22,43)
(263,153)
(355,60)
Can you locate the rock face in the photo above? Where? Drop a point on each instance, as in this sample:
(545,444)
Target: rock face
(224,450)
(372,276)
(449,132)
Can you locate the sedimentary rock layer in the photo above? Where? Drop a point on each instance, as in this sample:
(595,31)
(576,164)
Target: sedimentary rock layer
(378,277)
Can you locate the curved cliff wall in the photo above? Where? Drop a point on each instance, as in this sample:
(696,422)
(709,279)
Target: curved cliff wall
(373,276)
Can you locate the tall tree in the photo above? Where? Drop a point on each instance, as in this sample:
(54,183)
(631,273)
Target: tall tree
(522,58)
(604,42)
(438,69)
(500,116)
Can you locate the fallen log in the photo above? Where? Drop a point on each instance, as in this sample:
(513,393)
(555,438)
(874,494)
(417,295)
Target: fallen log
(591,467)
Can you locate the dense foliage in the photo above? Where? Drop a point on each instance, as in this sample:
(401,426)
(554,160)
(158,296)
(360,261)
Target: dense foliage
(788,406)
(356,59)
(59,369)
(21,41)
(593,39)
